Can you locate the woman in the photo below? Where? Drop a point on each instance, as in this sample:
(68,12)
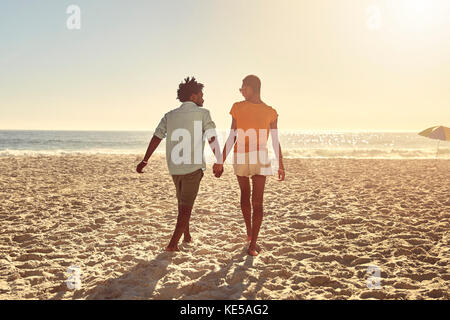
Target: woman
(252,120)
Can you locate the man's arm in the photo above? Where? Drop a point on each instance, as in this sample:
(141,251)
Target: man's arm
(209,131)
(154,143)
(215,147)
(218,166)
(160,133)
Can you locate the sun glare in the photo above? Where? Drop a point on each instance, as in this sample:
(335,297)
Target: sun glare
(420,15)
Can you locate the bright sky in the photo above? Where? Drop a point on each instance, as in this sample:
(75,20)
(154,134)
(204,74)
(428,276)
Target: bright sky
(324,64)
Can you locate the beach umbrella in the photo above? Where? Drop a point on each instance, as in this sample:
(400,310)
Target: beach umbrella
(439,133)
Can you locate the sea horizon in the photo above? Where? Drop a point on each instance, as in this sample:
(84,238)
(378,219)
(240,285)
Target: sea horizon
(297,144)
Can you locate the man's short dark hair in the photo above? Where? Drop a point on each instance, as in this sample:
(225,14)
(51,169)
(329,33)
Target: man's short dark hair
(188,88)
(253,82)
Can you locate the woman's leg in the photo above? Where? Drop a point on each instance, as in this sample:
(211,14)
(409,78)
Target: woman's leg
(257,203)
(244,185)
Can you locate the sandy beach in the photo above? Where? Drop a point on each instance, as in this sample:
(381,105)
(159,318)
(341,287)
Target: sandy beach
(322,229)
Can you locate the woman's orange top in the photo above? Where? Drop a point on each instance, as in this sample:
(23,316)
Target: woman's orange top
(253,125)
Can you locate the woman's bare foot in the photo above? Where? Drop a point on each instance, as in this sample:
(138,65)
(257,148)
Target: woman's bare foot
(253,250)
(172,249)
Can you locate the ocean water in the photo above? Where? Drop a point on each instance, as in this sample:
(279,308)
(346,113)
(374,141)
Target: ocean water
(295,144)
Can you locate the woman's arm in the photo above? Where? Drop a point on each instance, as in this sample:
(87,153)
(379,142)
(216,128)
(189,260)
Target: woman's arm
(277,149)
(230,141)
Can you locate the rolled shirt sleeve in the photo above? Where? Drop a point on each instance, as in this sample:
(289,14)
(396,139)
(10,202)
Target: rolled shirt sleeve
(161,129)
(209,127)
(207,122)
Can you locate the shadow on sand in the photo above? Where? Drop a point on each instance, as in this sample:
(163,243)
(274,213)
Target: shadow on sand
(140,282)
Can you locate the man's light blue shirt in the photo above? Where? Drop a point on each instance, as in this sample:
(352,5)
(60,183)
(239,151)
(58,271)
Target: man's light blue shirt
(185,128)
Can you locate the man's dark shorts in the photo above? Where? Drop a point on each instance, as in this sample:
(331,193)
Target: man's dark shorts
(187,187)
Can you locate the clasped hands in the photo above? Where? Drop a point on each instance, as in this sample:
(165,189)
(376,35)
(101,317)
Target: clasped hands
(217,170)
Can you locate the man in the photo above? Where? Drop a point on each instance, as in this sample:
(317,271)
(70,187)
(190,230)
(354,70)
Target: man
(184,156)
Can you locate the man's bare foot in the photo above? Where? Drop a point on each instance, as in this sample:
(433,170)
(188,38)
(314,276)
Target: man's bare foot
(172,249)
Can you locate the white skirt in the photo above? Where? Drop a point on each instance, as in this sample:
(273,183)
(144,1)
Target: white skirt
(252,163)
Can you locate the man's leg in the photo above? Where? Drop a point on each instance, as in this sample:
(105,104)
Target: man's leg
(187,189)
(184,214)
(244,185)
(187,235)
(257,203)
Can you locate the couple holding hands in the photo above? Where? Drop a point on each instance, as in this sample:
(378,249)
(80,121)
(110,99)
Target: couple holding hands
(252,122)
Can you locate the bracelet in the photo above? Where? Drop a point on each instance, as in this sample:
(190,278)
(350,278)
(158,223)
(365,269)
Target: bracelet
(144,161)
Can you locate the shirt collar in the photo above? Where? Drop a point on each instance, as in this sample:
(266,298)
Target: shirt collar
(188,104)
